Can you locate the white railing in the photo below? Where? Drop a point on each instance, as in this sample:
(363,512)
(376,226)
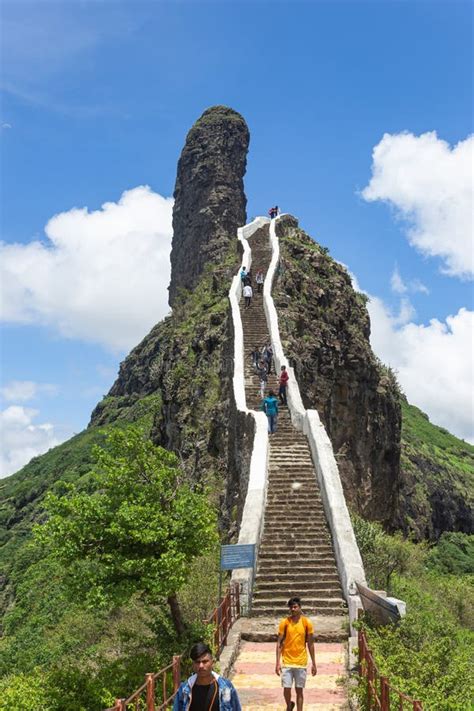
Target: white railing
(349,561)
(252,517)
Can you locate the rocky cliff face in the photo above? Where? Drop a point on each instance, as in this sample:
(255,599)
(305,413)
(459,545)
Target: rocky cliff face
(183,369)
(209,195)
(325,331)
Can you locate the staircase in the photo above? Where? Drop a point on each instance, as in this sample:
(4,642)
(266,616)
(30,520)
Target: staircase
(296,555)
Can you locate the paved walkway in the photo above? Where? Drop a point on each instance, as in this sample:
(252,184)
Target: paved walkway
(260,689)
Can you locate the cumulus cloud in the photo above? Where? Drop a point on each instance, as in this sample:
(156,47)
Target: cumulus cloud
(400,286)
(433,362)
(23,390)
(430,185)
(22,439)
(101,276)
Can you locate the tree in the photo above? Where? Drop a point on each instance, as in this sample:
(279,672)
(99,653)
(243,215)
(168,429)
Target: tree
(138,530)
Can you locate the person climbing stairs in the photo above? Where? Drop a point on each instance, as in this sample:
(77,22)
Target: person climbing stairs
(295,555)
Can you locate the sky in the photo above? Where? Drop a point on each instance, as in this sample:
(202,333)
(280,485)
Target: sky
(360,114)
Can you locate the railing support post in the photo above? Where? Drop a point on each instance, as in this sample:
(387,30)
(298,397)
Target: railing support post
(384,694)
(150,692)
(119,705)
(176,672)
(370,678)
(417,706)
(361,651)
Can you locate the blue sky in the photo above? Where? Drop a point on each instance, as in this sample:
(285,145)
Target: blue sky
(97,98)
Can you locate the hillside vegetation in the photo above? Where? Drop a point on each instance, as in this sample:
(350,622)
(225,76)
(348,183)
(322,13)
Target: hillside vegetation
(437,478)
(428,655)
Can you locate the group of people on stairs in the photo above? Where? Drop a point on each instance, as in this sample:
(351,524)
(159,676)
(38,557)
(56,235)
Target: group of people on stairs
(246,281)
(262,361)
(205,690)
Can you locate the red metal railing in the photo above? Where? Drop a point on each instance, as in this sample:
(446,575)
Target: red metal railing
(157,693)
(378,690)
(224,617)
(159,689)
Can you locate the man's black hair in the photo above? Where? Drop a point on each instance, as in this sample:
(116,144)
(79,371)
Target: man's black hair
(294,601)
(199,650)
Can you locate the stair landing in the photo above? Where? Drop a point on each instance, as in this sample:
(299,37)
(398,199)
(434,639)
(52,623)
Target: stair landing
(259,688)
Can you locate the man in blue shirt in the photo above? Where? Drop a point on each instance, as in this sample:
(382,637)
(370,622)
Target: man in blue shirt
(205,690)
(270,408)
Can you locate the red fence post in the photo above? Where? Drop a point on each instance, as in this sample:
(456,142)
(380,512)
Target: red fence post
(361,651)
(176,672)
(150,692)
(384,694)
(370,678)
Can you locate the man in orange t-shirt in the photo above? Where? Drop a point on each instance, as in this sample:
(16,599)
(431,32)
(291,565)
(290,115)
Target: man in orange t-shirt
(295,633)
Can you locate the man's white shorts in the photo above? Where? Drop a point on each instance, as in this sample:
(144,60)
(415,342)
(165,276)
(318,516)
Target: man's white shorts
(293,674)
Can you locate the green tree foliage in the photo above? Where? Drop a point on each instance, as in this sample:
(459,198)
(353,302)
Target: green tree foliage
(138,531)
(453,554)
(23,692)
(427,655)
(383,555)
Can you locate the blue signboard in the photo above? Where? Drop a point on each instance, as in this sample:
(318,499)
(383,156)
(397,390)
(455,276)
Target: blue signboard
(238,556)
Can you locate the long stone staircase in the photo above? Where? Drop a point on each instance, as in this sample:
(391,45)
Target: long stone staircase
(296,555)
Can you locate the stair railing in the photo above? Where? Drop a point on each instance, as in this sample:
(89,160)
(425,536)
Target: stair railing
(379,691)
(224,617)
(163,683)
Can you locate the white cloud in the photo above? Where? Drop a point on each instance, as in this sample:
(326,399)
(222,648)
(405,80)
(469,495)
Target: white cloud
(22,439)
(434,363)
(396,282)
(431,186)
(101,277)
(400,286)
(23,390)
(6,125)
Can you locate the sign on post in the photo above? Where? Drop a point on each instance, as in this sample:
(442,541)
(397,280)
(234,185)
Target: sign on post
(238,556)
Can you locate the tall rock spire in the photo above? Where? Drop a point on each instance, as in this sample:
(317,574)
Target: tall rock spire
(210,202)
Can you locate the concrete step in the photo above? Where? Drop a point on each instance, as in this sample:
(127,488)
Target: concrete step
(303,580)
(302,583)
(302,551)
(282,610)
(276,596)
(311,568)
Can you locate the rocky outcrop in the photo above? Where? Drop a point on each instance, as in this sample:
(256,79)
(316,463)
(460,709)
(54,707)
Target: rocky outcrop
(436,479)
(325,331)
(210,202)
(180,375)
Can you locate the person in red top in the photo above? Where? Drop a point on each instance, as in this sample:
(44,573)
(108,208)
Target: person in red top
(284,377)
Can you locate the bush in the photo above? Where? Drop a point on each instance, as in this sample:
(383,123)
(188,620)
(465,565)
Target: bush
(428,654)
(454,553)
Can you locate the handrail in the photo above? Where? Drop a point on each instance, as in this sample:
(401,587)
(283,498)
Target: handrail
(146,693)
(223,617)
(378,687)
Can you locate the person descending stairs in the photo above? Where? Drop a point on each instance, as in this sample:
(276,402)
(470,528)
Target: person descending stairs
(295,556)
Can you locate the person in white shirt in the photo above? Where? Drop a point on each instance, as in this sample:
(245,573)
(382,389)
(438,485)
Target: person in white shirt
(247,294)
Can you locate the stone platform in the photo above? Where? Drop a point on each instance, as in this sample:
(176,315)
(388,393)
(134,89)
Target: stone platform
(260,689)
